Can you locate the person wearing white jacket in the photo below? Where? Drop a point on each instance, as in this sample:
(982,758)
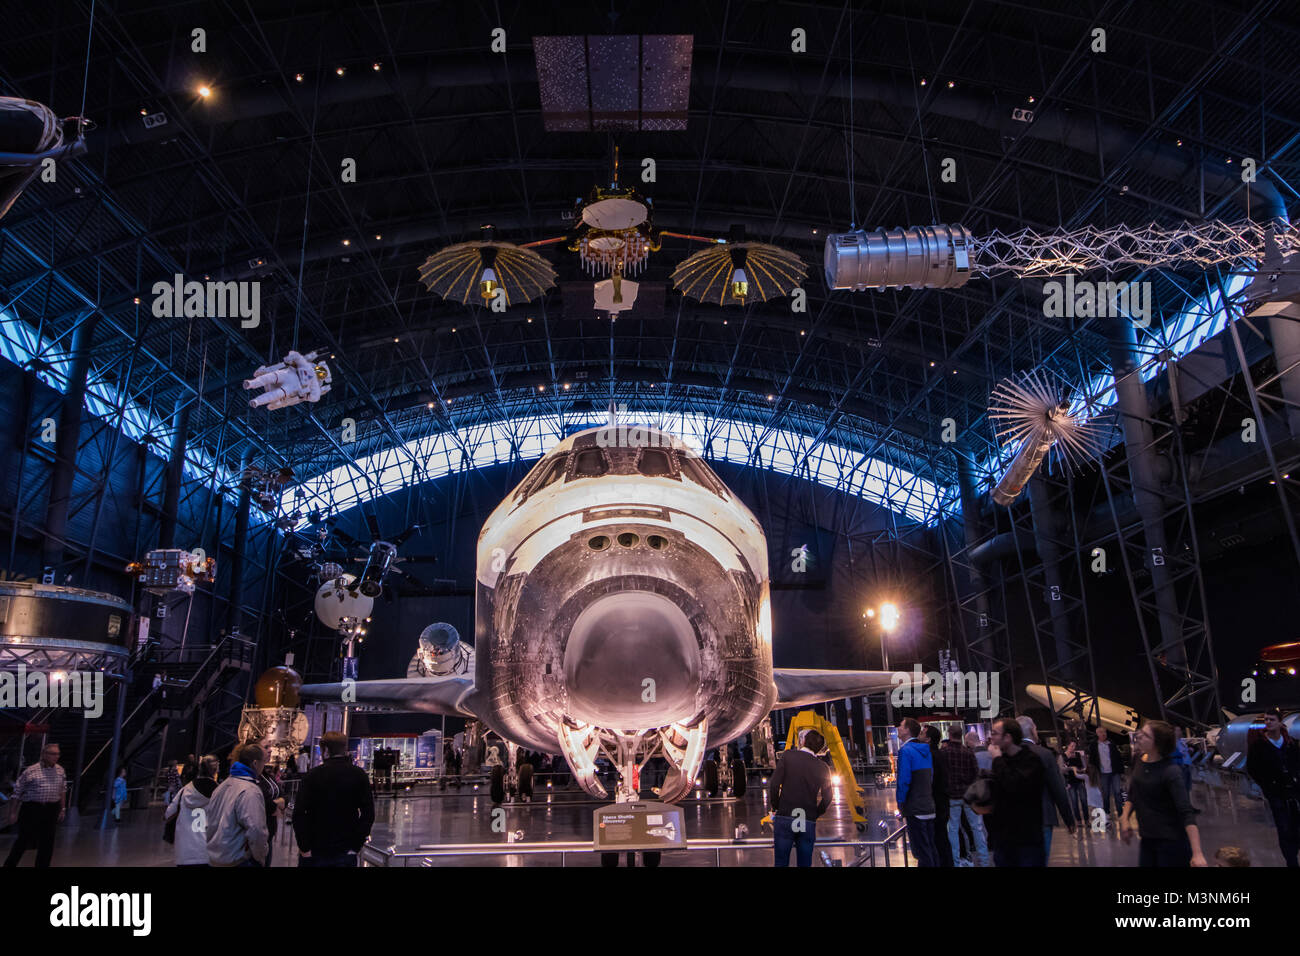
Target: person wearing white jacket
(236,814)
(189,808)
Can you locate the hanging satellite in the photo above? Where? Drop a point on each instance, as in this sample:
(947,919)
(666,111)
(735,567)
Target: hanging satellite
(485,269)
(615,233)
(31,134)
(732,271)
(1033,409)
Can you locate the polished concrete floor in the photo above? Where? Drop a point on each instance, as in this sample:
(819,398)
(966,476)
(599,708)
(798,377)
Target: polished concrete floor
(421,820)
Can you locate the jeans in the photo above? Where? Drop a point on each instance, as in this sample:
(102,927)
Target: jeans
(1167,853)
(1047,844)
(1110,787)
(955,810)
(920,833)
(1078,795)
(1286,817)
(36,823)
(1019,854)
(784,838)
(328,859)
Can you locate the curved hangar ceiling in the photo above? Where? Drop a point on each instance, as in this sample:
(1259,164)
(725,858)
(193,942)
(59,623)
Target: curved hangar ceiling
(329,172)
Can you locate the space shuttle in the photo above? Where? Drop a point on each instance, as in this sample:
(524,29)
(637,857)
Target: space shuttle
(622,609)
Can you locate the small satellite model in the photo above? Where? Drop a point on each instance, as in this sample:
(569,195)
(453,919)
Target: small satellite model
(275,720)
(1032,409)
(341,606)
(171,569)
(441,653)
(299,378)
(264,485)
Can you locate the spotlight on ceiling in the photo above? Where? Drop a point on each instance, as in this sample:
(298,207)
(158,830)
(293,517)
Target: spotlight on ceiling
(204,91)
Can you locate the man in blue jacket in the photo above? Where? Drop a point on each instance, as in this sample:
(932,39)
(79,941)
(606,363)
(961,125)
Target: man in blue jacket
(915,793)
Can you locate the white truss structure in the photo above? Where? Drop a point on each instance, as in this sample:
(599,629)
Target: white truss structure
(1030,253)
(527,438)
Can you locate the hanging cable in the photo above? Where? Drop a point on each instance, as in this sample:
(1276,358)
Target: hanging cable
(85,79)
(848,142)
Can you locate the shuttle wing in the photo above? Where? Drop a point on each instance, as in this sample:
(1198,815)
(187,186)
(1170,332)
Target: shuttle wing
(797,687)
(450,695)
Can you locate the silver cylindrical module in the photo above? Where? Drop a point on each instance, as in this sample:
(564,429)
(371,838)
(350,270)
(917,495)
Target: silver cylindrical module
(1022,468)
(918,257)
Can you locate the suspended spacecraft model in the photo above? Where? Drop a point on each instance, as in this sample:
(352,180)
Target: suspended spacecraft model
(485,269)
(31,134)
(299,378)
(613,236)
(341,605)
(732,272)
(1032,410)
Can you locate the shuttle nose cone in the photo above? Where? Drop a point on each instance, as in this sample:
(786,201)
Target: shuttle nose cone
(632,661)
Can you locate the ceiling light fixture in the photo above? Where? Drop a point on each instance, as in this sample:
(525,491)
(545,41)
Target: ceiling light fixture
(205,91)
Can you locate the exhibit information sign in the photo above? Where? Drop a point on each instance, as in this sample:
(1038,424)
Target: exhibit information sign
(638,826)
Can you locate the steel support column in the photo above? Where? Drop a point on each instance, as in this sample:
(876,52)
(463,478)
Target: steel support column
(175,474)
(1144,471)
(67,442)
(238,547)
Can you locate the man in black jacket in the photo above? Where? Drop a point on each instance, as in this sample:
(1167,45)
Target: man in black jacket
(1105,755)
(334,810)
(1273,762)
(1055,797)
(800,791)
(1019,780)
(939,783)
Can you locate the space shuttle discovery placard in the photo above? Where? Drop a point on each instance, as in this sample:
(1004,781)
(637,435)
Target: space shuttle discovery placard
(638,826)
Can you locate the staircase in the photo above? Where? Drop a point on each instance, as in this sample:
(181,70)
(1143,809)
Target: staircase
(192,677)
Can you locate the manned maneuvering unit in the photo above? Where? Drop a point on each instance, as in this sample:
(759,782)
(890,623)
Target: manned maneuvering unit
(622,609)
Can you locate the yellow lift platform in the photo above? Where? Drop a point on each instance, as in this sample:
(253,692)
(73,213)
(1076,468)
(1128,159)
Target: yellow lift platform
(809,720)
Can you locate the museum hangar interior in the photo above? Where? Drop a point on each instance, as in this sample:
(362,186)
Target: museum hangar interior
(438,374)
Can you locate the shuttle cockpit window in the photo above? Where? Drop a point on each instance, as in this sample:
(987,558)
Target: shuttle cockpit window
(589,463)
(555,472)
(548,472)
(700,473)
(656,463)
